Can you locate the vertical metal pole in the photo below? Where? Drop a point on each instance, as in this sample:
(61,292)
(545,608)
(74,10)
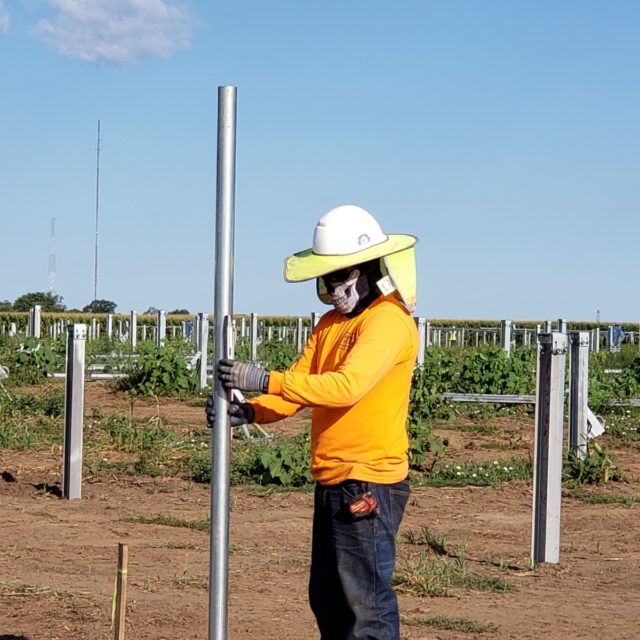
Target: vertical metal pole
(562,325)
(547,326)
(225,212)
(133,330)
(315,318)
(34,321)
(299,335)
(505,335)
(421,325)
(547,470)
(73,412)
(427,335)
(109,326)
(254,337)
(203,347)
(578,391)
(609,338)
(161,328)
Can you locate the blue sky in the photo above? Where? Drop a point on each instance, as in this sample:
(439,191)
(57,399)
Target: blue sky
(504,134)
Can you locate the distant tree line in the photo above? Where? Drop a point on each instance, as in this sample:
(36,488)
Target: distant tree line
(52,302)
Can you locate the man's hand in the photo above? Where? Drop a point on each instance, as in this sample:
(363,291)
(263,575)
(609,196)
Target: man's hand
(239,412)
(242,376)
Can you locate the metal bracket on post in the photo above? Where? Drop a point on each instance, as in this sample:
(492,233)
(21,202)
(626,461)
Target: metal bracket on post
(578,391)
(73,412)
(547,471)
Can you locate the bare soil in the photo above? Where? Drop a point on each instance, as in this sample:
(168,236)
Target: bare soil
(58,558)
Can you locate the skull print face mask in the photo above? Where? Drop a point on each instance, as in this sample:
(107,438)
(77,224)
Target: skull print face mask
(346,288)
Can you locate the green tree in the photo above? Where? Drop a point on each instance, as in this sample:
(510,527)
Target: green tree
(47,301)
(5,305)
(179,312)
(100,306)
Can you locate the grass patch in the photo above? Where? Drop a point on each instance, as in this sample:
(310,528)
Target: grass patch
(20,589)
(436,576)
(462,625)
(489,473)
(475,428)
(599,498)
(170,521)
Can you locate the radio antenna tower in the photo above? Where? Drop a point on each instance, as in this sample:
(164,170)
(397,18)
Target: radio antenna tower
(95,261)
(52,257)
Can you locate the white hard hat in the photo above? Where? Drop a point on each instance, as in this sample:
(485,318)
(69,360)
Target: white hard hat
(346,230)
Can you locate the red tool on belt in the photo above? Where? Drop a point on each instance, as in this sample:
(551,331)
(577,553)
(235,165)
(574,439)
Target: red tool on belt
(363,506)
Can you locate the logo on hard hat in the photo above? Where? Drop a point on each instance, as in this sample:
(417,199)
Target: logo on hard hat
(363,239)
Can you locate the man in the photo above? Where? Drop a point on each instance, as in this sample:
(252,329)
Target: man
(355,374)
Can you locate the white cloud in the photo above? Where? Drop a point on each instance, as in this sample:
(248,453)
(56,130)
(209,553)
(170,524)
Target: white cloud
(4,18)
(116,31)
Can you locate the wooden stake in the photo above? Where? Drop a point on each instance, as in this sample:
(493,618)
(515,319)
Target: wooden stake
(120,595)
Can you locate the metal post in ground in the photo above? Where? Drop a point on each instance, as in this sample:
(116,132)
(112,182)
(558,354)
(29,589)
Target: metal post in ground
(73,412)
(421,325)
(300,334)
(547,470)
(562,325)
(203,347)
(109,326)
(315,318)
(595,340)
(505,335)
(578,391)
(223,294)
(133,330)
(161,328)
(253,339)
(35,317)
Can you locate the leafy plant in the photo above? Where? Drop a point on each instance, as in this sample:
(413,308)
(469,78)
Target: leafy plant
(33,360)
(596,467)
(283,461)
(159,371)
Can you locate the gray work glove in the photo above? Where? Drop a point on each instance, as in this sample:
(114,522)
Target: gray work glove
(239,412)
(242,376)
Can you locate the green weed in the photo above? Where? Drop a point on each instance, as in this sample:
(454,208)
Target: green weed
(463,625)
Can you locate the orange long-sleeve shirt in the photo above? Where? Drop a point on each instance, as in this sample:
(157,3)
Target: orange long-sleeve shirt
(355,373)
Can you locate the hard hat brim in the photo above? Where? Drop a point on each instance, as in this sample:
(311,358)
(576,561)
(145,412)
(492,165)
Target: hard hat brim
(306,265)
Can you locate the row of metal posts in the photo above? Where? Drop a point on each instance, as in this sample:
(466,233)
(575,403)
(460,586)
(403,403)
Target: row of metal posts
(447,336)
(437,336)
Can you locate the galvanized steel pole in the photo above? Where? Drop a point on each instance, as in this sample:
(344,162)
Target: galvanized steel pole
(578,392)
(223,347)
(73,412)
(547,471)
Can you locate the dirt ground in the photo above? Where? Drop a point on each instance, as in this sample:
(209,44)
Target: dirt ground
(58,558)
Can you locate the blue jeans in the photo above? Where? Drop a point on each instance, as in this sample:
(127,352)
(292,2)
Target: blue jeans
(352,561)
